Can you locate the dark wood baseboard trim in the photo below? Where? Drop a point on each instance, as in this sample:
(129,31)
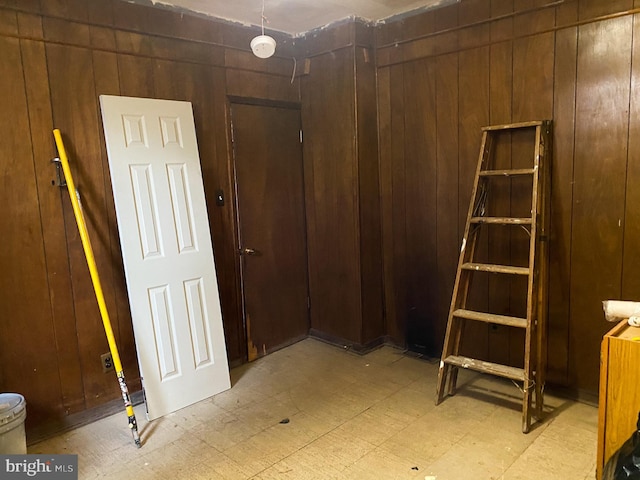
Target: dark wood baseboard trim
(60,425)
(341,342)
(581,396)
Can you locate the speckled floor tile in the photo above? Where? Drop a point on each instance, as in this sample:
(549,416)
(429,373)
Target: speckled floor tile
(315,411)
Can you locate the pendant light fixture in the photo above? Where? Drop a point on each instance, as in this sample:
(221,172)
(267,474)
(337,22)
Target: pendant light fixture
(263,46)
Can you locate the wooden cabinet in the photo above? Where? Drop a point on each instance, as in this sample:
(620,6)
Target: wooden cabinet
(619,400)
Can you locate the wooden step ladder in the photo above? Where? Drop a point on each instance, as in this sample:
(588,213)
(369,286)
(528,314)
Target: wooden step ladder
(532,373)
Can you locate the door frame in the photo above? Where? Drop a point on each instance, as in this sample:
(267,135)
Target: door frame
(233,181)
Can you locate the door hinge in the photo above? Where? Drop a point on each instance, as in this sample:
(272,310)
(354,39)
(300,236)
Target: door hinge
(233,140)
(300,135)
(308,303)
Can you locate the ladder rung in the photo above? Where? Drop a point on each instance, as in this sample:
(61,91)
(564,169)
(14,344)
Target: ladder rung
(505,371)
(485,267)
(491,318)
(510,126)
(507,173)
(502,220)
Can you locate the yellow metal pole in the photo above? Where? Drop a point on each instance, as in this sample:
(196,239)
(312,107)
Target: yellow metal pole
(97,286)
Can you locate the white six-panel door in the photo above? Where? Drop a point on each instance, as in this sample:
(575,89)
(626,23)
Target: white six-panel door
(166,248)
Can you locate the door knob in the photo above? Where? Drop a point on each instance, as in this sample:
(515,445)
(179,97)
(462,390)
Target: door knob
(249,251)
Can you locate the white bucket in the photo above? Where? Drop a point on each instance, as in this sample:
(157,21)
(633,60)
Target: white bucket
(13,411)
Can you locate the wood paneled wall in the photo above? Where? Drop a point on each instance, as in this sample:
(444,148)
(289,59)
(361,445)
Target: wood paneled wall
(444,74)
(56,58)
(342,185)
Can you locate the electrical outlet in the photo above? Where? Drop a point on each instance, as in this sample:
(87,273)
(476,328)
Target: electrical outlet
(107,362)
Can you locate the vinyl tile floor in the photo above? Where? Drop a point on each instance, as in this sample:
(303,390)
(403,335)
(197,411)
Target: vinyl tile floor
(316,411)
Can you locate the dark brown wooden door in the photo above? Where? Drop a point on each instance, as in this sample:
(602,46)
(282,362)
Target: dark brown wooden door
(272,232)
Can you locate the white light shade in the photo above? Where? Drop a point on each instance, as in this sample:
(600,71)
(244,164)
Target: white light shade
(263,46)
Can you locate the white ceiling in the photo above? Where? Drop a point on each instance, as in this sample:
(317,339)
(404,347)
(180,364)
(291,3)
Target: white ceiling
(299,16)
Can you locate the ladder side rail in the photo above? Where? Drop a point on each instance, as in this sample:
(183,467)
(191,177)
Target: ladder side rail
(543,266)
(468,249)
(461,302)
(532,297)
(465,250)
(478,202)
(470,237)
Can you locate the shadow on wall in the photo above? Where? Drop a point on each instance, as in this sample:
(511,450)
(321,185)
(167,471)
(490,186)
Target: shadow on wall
(420,338)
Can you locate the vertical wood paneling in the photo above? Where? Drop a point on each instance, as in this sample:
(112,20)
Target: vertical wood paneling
(8,23)
(398,330)
(472,11)
(501,7)
(57,30)
(173,80)
(386,192)
(217,175)
(541,20)
(631,253)
(30,25)
(71,9)
(209,110)
(328,116)
(520,5)
(101,12)
(26,5)
(561,204)
(533,63)
(502,29)
(105,70)
(74,102)
(588,9)
(28,354)
(342,188)
(447,17)
(53,228)
(107,83)
(473,113)
(602,105)
(369,198)
(136,76)
(261,85)
(566,14)
(447,207)
(420,227)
